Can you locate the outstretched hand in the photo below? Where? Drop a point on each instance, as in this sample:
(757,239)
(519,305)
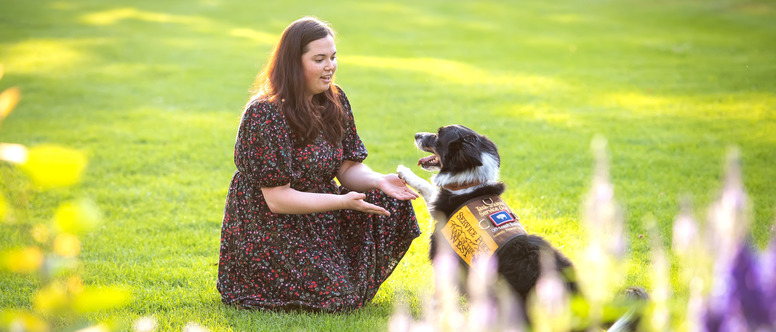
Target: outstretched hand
(395,187)
(355,201)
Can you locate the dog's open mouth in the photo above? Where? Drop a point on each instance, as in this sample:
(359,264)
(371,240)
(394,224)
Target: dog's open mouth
(429,162)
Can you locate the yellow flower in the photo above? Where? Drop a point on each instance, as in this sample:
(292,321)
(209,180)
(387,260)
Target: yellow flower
(67,245)
(25,260)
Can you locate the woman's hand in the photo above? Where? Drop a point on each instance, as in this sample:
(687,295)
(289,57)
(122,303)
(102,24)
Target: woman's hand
(284,200)
(358,177)
(395,187)
(355,201)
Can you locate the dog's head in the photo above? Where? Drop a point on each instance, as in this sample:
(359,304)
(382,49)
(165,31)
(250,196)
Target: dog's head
(460,155)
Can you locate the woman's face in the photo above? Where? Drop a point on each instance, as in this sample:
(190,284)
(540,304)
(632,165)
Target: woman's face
(319,64)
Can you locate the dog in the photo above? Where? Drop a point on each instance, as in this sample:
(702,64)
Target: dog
(463,199)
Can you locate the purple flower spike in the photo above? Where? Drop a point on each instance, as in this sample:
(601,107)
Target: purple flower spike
(712,322)
(722,311)
(748,290)
(768,278)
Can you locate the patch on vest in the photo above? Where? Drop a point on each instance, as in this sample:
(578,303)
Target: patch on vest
(500,218)
(480,226)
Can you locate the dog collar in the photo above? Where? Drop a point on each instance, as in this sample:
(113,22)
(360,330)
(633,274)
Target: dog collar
(455,186)
(479,227)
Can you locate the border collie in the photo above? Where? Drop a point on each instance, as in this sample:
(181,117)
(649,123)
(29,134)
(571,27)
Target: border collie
(471,220)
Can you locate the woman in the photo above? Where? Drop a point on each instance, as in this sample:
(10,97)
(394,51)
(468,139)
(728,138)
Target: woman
(292,238)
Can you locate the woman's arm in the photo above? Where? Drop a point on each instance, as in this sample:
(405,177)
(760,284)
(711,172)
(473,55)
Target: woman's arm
(354,176)
(359,177)
(285,200)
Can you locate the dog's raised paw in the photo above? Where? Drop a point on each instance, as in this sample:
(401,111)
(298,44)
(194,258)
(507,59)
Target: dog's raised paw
(403,171)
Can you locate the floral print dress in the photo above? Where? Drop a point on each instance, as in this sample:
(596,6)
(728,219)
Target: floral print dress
(330,261)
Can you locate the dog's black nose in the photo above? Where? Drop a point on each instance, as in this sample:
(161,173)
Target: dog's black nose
(418,136)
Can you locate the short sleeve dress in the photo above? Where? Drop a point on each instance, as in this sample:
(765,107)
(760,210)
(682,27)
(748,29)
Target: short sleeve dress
(331,261)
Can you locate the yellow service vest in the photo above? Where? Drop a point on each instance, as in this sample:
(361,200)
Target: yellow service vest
(480,226)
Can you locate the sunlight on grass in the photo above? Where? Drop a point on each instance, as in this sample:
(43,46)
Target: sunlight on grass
(254,35)
(121,68)
(116,16)
(62,5)
(385,7)
(634,100)
(459,73)
(752,106)
(542,112)
(566,18)
(746,106)
(755,107)
(113,16)
(42,55)
(555,117)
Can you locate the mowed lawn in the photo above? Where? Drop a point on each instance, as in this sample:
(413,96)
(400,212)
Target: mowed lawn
(152,93)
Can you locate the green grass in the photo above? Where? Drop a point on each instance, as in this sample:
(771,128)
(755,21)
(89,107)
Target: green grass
(152,92)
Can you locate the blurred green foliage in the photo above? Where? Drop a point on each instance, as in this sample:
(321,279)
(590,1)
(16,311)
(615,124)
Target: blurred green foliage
(61,298)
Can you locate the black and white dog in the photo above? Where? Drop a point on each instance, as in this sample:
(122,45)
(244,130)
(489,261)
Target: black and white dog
(468,171)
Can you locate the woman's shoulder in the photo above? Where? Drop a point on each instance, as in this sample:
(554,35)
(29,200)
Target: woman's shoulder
(261,106)
(340,91)
(259,101)
(343,97)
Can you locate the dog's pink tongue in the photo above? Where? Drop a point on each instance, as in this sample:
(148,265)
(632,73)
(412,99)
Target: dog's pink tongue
(426,160)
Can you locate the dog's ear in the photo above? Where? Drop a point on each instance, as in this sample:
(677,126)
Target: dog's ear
(462,154)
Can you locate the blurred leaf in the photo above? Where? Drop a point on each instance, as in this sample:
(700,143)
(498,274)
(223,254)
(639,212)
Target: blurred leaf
(40,233)
(51,300)
(616,309)
(60,266)
(98,299)
(22,321)
(67,245)
(13,153)
(145,324)
(25,260)
(194,327)
(77,216)
(74,284)
(8,100)
(95,328)
(54,166)
(3,208)
(580,311)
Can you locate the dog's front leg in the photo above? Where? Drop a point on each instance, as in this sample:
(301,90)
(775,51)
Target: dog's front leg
(423,187)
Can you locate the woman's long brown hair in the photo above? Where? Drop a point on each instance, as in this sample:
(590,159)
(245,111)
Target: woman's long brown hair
(282,80)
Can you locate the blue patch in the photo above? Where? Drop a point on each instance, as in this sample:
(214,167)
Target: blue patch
(500,218)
